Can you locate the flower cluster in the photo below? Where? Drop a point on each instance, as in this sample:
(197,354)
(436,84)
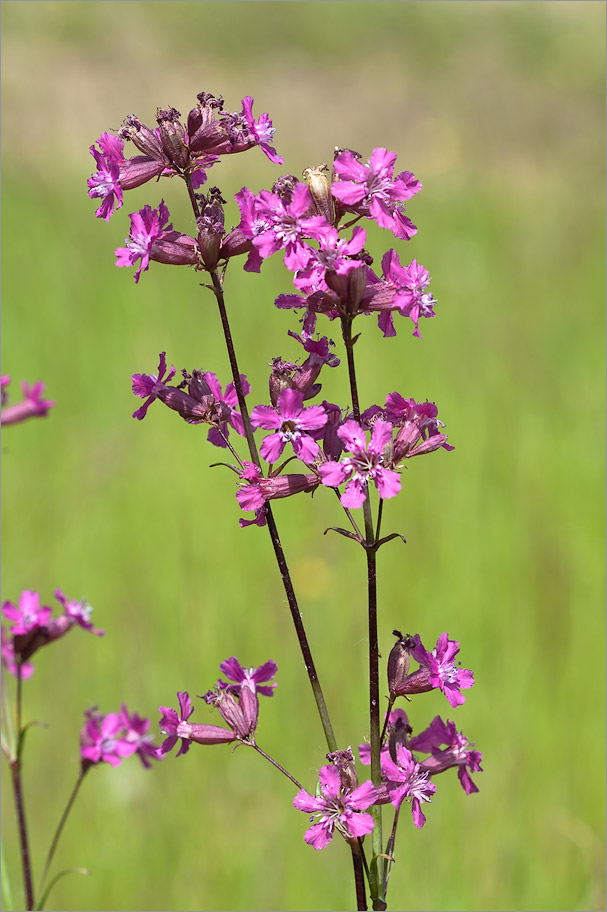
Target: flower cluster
(32,406)
(112,737)
(314,225)
(236,700)
(33,627)
(335,277)
(332,444)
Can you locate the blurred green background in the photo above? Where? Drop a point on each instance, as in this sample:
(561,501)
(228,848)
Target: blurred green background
(498,109)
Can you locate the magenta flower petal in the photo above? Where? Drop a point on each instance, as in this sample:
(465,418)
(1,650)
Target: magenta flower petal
(306,448)
(266,417)
(271,448)
(330,781)
(359,824)
(319,836)
(333,474)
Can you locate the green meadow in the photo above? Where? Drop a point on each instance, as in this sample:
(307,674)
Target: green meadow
(498,108)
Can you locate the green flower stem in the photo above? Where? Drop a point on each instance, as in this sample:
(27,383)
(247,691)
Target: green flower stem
(376,872)
(59,830)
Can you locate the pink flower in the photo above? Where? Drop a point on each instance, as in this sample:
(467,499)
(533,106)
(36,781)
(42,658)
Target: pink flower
(32,406)
(289,419)
(372,191)
(261,132)
(33,626)
(151,238)
(255,490)
(149,386)
(406,780)
(29,615)
(437,669)
(337,808)
(279,223)
(254,678)
(176,726)
(102,740)
(229,401)
(419,427)
(457,752)
(105,183)
(230,132)
(137,733)
(367,462)
(335,254)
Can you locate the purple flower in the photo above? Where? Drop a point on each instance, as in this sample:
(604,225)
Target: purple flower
(256,490)
(261,132)
(137,734)
(437,669)
(105,183)
(177,726)
(151,238)
(406,780)
(33,626)
(335,254)
(401,289)
(372,191)
(149,386)
(102,740)
(32,406)
(29,615)
(276,224)
(457,752)
(253,678)
(230,132)
(78,612)
(418,422)
(337,808)
(147,226)
(233,417)
(367,462)
(289,419)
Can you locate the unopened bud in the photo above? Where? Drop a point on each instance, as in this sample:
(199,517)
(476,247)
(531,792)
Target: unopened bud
(172,134)
(399,660)
(344,761)
(320,191)
(210,227)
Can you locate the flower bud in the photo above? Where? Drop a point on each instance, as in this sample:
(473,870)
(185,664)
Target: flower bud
(349,288)
(320,191)
(280,378)
(399,731)
(175,249)
(399,660)
(344,761)
(172,135)
(210,226)
(142,137)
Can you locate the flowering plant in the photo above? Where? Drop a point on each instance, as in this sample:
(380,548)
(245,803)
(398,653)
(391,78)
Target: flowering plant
(358,449)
